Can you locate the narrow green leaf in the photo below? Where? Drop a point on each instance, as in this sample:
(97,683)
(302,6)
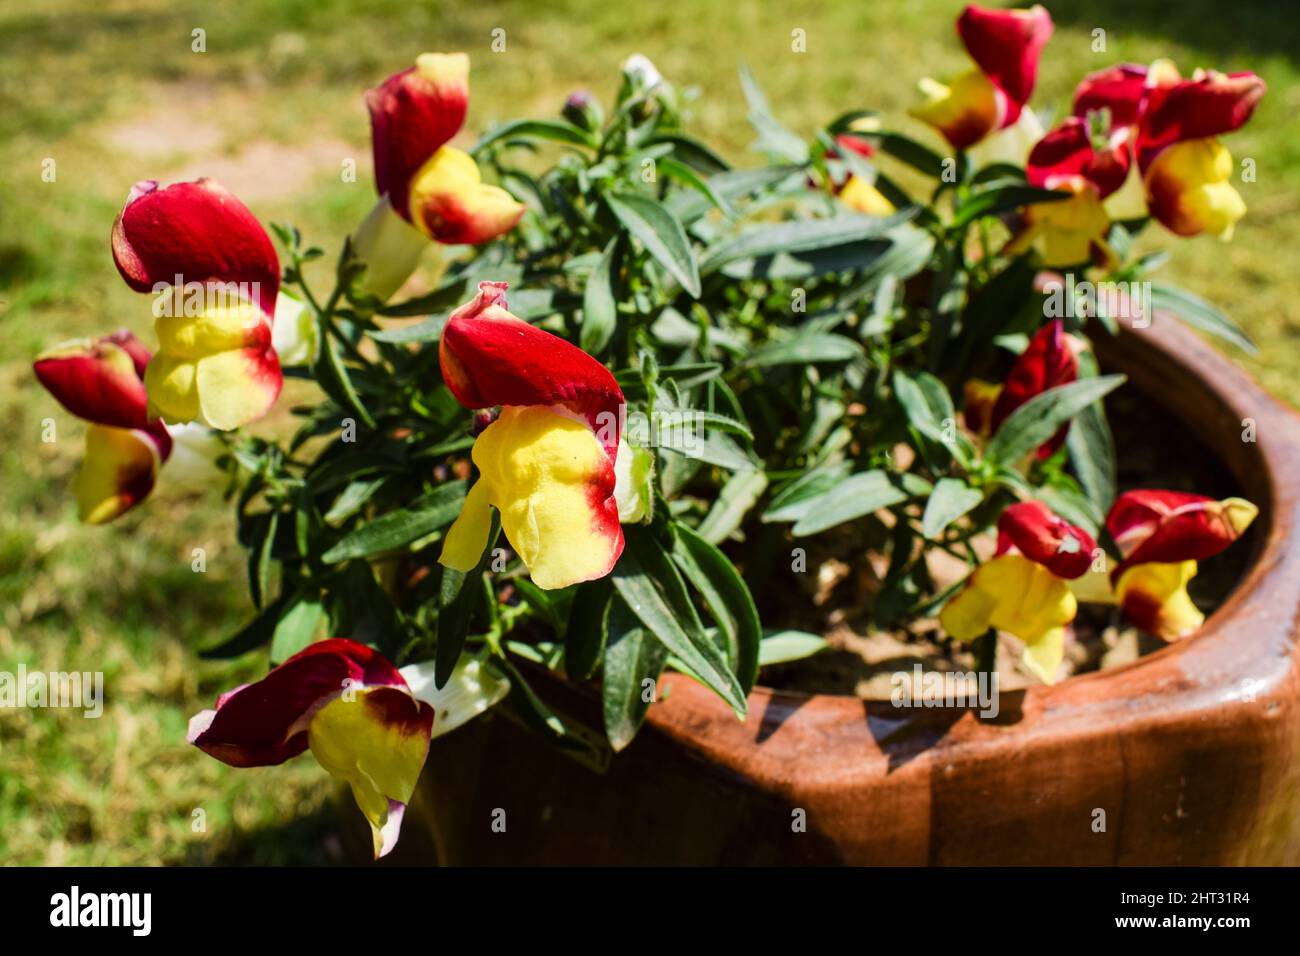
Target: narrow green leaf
(807,349)
(780,647)
(662,235)
(297,627)
(259,559)
(859,495)
(599,309)
(633,662)
(455,601)
(556,131)
(737,496)
(584,637)
(1038,419)
(1200,314)
(649,582)
(728,599)
(999,199)
(396,529)
(950,499)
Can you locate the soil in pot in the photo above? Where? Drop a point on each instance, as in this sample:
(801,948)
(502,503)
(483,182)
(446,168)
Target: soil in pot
(845,575)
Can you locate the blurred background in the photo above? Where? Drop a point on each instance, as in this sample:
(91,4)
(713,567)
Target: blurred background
(113,92)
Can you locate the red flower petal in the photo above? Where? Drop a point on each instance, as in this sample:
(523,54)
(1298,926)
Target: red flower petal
(265,723)
(1047,362)
(1006,45)
(1067,152)
(1039,534)
(1118,89)
(1208,105)
(1150,525)
(489,357)
(197,231)
(98,380)
(412,114)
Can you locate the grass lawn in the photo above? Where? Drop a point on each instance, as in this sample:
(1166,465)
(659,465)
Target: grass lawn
(113,92)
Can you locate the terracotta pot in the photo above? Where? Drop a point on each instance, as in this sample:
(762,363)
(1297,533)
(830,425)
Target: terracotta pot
(1190,752)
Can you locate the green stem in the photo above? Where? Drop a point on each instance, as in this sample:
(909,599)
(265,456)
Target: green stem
(985,649)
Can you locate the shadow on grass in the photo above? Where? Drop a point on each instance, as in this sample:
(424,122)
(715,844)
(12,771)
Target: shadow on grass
(1247,26)
(312,840)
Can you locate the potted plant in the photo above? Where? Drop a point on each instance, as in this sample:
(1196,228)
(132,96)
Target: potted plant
(664,428)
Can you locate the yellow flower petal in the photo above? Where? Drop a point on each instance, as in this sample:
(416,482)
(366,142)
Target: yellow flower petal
(964,111)
(1043,657)
(863,197)
(468,534)
(549,476)
(1013,594)
(1154,597)
(236,387)
(450,203)
(119,469)
(377,742)
(1190,189)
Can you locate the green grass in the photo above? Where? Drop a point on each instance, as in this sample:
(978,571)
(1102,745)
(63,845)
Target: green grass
(112,92)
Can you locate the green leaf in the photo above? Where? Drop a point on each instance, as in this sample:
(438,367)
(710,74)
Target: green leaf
(859,495)
(780,647)
(599,309)
(908,150)
(728,599)
(773,137)
(1092,447)
(556,131)
(333,377)
(692,152)
(800,236)
(950,499)
(296,628)
(397,529)
(793,501)
(662,235)
(584,636)
(1038,419)
(678,170)
(430,330)
(999,199)
(455,601)
(352,499)
(736,497)
(259,558)
(649,582)
(1200,314)
(729,186)
(928,407)
(806,349)
(632,657)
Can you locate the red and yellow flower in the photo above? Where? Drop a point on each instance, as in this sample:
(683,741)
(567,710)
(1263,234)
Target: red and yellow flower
(216,276)
(1005,46)
(854,191)
(547,462)
(102,382)
(350,706)
(1023,589)
(1168,127)
(1050,360)
(428,184)
(1161,535)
